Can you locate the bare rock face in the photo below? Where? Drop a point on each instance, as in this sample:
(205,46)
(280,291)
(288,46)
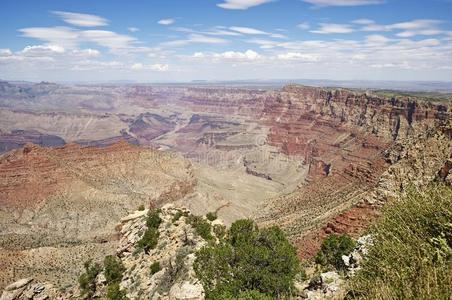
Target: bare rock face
(174,252)
(27,288)
(361,150)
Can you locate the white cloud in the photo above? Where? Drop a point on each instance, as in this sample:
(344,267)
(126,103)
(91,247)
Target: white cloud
(166,22)
(299,57)
(86,52)
(107,38)
(342,2)
(133,29)
(42,50)
(377,39)
(154,67)
(195,39)
(415,24)
(64,36)
(363,21)
(82,20)
(5,52)
(248,55)
(408,29)
(241,4)
(71,38)
(304,25)
(263,44)
(327,28)
(247,30)
(254,31)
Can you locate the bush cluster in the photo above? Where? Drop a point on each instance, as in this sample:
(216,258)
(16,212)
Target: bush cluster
(113,271)
(150,237)
(87,280)
(332,249)
(249,263)
(211,216)
(202,227)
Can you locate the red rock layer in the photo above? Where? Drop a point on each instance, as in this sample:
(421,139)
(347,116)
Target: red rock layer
(31,174)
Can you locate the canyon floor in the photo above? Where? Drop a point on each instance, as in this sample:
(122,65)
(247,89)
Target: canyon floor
(75,159)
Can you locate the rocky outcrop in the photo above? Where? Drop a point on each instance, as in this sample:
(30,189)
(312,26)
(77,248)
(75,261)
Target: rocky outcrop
(27,288)
(174,252)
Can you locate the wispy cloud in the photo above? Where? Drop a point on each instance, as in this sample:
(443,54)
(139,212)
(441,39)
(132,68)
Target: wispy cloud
(166,22)
(321,3)
(229,55)
(327,28)
(71,38)
(152,67)
(304,25)
(254,31)
(81,20)
(133,29)
(194,39)
(241,4)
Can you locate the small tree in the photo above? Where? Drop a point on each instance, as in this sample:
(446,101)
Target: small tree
(150,237)
(113,269)
(247,263)
(87,279)
(332,250)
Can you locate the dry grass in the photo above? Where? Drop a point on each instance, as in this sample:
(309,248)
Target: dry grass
(412,253)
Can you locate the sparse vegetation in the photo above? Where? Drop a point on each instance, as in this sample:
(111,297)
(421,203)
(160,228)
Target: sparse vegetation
(332,249)
(113,269)
(151,235)
(141,207)
(178,215)
(211,216)
(155,267)
(411,256)
(114,292)
(87,280)
(202,227)
(250,263)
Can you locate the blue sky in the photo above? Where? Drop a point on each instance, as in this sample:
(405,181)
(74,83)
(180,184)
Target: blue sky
(182,40)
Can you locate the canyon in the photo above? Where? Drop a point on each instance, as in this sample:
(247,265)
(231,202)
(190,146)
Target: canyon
(314,161)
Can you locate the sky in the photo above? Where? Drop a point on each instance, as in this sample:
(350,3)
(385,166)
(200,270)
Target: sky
(184,40)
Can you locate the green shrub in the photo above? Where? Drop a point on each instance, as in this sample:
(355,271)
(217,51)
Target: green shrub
(332,249)
(248,261)
(149,240)
(202,227)
(155,267)
(211,216)
(114,292)
(253,295)
(411,255)
(153,220)
(141,207)
(113,269)
(87,279)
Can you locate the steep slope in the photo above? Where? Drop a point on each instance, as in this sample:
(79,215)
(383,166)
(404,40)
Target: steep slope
(360,149)
(65,202)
